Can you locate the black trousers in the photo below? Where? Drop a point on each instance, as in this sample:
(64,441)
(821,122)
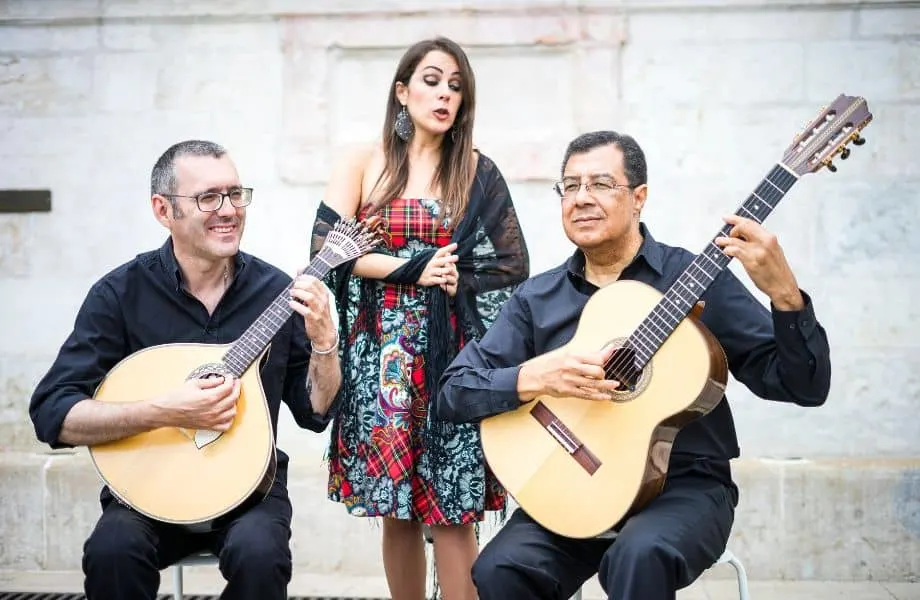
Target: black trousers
(123,556)
(664,548)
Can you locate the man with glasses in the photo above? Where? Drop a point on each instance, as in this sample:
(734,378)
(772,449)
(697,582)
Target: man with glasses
(781,354)
(198,287)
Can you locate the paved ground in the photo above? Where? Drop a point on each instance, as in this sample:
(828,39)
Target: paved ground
(202,580)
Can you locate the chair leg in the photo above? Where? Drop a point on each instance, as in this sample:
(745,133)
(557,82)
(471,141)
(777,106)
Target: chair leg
(742,577)
(177,582)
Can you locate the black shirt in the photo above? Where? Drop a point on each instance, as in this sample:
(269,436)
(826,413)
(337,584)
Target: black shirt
(143,303)
(778,355)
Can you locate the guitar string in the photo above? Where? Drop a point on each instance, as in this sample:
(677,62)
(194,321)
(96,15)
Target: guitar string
(775,194)
(245,349)
(624,357)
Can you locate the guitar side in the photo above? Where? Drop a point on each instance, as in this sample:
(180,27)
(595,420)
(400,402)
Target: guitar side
(630,439)
(162,473)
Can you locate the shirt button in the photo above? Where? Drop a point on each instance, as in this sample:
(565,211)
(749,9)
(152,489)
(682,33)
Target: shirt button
(791,325)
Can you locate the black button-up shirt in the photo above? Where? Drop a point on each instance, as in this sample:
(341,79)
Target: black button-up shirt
(778,355)
(144,303)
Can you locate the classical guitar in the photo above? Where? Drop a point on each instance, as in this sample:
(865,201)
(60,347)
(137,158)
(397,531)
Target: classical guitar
(580,467)
(192,477)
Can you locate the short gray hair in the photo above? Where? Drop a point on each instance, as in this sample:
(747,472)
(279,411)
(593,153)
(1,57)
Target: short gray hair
(163,176)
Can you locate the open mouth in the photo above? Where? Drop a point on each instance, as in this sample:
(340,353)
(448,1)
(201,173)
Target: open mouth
(223,229)
(441,113)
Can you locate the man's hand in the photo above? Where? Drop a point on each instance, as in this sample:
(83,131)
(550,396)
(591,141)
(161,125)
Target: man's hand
(311,300)
(573,375)
(762,257)
(200,404)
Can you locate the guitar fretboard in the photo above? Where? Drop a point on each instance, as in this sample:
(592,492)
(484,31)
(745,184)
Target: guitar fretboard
(258,336)
(681,297)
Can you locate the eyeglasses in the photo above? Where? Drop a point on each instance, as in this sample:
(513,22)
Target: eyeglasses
(212,201)
(568,188)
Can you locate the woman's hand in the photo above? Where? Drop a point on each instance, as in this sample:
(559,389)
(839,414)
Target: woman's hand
(441,269)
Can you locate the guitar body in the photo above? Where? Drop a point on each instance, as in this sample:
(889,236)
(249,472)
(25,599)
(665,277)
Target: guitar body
(625,442)
(163,473)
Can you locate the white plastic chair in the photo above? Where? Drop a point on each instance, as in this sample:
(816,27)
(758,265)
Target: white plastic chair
(199,558)
(727,557)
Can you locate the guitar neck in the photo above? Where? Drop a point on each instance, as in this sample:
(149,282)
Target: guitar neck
(259,335)
(684,293)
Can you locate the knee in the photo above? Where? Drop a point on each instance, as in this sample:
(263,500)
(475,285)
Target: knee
(637,550)
(260,552)
(494,569)
(117,543)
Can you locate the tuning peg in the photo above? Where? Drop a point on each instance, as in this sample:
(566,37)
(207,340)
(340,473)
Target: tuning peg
(859,140)
(831,167)
(845,154)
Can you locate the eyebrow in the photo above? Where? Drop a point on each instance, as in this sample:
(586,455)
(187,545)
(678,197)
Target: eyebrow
(440,70)
(590,175)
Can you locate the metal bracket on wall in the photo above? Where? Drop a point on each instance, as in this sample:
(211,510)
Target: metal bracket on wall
(25,201)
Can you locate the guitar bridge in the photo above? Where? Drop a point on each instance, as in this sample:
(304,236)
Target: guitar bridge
(565,438)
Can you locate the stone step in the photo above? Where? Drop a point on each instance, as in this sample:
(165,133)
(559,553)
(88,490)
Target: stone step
(828,519)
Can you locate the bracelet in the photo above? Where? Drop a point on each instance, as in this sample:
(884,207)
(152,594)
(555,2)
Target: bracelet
(331,348)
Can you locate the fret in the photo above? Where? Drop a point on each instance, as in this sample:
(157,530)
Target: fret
(696,278)
(259,335)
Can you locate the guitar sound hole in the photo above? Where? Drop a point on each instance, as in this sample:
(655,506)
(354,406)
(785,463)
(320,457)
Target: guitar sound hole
(621,367)
(210,371)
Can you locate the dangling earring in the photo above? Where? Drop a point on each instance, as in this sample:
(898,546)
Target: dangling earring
(454,134)
(403,126)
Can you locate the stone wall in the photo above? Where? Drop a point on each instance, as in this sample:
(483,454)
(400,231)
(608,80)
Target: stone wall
(91,91)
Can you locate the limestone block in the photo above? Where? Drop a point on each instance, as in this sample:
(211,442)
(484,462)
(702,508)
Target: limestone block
(326,539)
(71,509)
(126,82)
(867,227)
(874,316)
(530,135)
(695,27)
(48,9)
(492,28)
(889,139)
(15,232)
(846,520)
(172,8)
(21,518)
(894,22)
(304,156)
(538,210)
(45,39)
(60,85)
(885,71)
(202,79)
(19,374)
(717,73)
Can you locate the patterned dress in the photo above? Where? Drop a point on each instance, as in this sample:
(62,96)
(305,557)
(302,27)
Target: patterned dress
(379,465)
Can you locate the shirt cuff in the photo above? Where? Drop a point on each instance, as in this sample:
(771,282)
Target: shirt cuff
(503,392)
(54,419)
(791,320)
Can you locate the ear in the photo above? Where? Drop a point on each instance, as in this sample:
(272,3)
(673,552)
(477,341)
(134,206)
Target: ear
(639,196)
(402,93)
(162,209)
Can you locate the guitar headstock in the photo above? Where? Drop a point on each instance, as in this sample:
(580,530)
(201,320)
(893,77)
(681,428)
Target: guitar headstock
(350,239)
(828,135)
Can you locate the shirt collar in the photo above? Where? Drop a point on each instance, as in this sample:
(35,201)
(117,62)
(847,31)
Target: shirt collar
(649,251)
(171,265)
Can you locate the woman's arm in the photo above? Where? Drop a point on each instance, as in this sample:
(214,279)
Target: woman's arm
(344,195)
